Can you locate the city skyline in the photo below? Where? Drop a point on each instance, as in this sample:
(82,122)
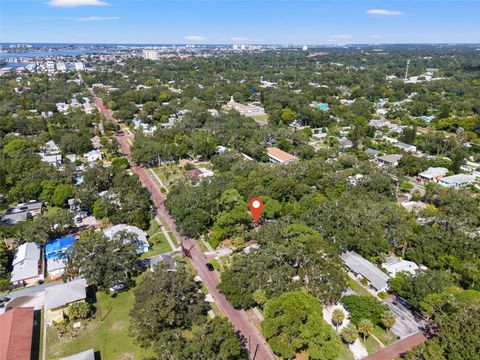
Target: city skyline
(235,22)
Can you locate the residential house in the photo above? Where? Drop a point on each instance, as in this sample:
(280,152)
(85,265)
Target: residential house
(432,174)
(26,265)
(199,173)
(279,156)
(391,159)
(394,265)
(163,258)
(96,142)
(16,331)
(371,153)
(414,206)
(54,159)
(345,143)
(22,212)
(59,297)
(143,245)
(56,252)
(405,147)
(84,355)
(93,156)
(358,265)
(456,181)
(62,107)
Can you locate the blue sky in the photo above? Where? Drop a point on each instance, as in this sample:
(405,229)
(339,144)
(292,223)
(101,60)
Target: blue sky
(240,21)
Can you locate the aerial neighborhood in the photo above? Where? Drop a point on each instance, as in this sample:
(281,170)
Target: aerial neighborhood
(130,177)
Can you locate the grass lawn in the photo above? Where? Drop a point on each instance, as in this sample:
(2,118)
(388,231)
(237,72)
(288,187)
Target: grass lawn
(157,240)
(371,345)
(386,338)
(108,336)
(169,172)
(355,286)
(345,353)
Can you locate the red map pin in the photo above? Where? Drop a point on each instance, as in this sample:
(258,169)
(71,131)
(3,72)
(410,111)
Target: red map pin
(256,205)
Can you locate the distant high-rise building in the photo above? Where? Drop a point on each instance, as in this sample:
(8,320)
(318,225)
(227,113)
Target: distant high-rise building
(149,54)
(235,47)
(305,48)
(50,65)
(79,66)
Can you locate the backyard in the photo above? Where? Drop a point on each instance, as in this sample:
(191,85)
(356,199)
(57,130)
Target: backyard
(107,333)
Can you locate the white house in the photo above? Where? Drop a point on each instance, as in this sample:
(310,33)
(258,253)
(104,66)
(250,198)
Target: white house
(93,155)
(394,265)
(26,265)
(391,159)
(279,156)
(55,160)
(358,265)
(143,245)
(433,173)
(456,181)
(51,147)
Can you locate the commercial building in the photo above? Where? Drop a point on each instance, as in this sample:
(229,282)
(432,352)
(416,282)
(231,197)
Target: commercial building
(149,54)
(246,110)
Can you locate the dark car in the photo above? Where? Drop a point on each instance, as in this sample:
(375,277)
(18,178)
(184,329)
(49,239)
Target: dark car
(210,267)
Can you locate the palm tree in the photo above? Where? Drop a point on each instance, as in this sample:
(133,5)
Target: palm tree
(366,328)
(349,334)
(388,319)
(337,317)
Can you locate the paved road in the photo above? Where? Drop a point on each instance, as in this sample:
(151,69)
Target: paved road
(254,342)
(395,350)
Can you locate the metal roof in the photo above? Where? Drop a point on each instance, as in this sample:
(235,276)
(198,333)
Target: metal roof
(359,265)
(64,294)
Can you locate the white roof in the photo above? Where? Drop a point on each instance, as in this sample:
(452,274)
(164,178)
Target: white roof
(394,265)
(458,179)
(433,172)
(141,235)
(64,294)
(25,251)
(56,264)
(377,278)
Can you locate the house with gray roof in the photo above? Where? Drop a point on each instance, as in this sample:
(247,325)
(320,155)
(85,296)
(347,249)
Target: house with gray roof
(163,258)
(143,245)
(391,159)
(456,181)
(26,265)
(358,265)
(84,355)
(59,297)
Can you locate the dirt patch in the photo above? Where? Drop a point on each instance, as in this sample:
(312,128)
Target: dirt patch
(119,325)
(126,356)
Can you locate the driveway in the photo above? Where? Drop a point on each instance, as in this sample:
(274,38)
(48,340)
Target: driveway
(406,324)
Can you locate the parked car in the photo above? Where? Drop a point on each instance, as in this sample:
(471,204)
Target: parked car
(210,267)
(118,287)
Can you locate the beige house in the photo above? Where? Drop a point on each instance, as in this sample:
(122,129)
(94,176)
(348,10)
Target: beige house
(59,297)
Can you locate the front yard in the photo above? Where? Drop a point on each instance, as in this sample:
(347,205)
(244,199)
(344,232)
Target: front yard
(107,333)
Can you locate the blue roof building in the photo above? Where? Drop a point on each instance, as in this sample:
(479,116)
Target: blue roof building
(56,249)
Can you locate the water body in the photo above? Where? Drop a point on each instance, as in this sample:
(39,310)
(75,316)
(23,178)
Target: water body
(60,52)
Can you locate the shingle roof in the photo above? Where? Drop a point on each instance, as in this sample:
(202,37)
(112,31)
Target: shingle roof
(377,278)
(64,294)
(16,328)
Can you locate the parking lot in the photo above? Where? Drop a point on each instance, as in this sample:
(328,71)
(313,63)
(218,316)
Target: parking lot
(406,323)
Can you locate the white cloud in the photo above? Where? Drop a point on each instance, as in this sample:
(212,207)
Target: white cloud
(75,3)
(195,38)
(383,12)
(97,18)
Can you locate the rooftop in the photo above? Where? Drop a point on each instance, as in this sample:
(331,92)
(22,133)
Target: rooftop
(377,278)
(85,355)
(64,294)
(16,329)
(280,155)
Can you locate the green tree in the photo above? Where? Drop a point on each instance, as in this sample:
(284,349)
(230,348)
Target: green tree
(365,328)
(388,319)
(105,262)
(337,317)
(293,321)
(79,310)
(287,115)
(260,296)
(62,193)
(363,307)
(166,300)
(349,334)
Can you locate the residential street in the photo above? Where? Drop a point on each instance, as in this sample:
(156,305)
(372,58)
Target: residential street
(254,342)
